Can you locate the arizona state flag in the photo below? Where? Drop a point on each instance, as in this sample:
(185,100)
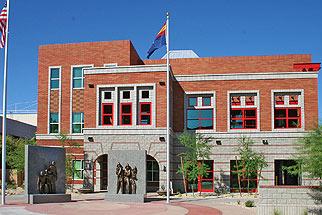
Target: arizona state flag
(159,41)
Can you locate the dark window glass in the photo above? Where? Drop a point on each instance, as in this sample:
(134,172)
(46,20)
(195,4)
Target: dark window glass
(250,113)
(280,123)
(53,117)
(107,95)
(199,119)
(108,109)
(145,120)
(236,113)
(126,95)
(145,108)
(236,124)
(107,120)
(126,109)
(293,112)
(145,94)
(53,128)
(126,120)
(54,73)
(280,112)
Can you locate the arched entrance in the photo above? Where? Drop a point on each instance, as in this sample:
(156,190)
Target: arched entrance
(101,181)
(152,174)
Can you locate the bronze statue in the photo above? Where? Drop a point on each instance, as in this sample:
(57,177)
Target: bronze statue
(126,179)
(120,175)
(47,179)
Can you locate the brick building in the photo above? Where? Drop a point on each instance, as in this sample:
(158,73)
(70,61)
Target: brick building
(105,97)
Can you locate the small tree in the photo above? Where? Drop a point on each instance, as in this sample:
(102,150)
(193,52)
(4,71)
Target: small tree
(70,168)
(251,162)
(197,149)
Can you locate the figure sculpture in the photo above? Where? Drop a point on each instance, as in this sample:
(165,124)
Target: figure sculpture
(120,175)
(47,179)
(126,179)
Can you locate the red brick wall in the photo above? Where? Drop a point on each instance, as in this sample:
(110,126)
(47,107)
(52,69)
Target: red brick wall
(128,78)
(242,64)
(65,55)
(264,87)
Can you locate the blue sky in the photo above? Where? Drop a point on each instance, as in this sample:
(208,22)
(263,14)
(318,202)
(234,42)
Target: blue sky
(210,28)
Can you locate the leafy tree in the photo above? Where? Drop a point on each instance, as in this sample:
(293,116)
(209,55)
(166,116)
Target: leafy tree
(251,162)
(309,158)
(197,149)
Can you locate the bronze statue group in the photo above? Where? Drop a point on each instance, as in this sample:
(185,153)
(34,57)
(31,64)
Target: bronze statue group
(126,179)
(47,179)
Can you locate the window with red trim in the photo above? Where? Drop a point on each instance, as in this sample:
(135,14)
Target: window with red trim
(293,99)
(287,118)
(206,183)
(107,114)
(250,100)
(145,113)
(126,114)
(199,119)
(243,118)
(279,100)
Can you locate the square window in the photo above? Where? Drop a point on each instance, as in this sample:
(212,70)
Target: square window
(126,109)
(54,73)
(77,72)
(250,100)
(206,101)
(77,83)
(126,120)
(54,84)
(77,128)
(145,120)
(192,101)
(107,120)
(145,94)
(53,129)
(107,95)
(279,99)
(126,95)
(235,100)
(294,99)
(53,117)
(145,108)
(107,109)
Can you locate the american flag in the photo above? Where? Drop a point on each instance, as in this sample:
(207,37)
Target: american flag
(3,25)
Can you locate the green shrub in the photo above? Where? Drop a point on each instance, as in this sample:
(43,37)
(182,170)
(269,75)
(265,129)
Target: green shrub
(250,203)
(277,212)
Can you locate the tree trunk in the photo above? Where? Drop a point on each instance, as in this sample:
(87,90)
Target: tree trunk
(238,177)
(183,177)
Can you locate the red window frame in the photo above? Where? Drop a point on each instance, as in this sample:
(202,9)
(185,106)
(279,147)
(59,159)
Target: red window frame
(145,114)
(287,118)
(244,118)
(125,114)
(251,102)
(108,114)
(295,101)
(237,103)
(279,102)
(200,179)
(200,119)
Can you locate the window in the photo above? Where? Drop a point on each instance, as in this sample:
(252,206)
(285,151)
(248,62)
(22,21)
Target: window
(235,100)
(78,77)
(199,119)
(107,95)
(243,118)
(54,78)
(145,113)
(279,100)
(107,114)
(77,122)
(192,101)
(250,100)
(293,99)
(282,176)
(126,95)
(152,171)
(252,178)
(145,94)
(78,169)
(53,123)
(205,183)
(126,114)
(287,118)
(206,101)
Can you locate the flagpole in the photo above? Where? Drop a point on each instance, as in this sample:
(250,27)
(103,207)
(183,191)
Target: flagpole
(168,112)
(4,112)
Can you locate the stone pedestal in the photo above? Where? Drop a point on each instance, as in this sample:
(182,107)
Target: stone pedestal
(125,197)
(48,198)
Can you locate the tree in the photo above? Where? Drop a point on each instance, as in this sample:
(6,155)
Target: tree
(197,149)
(251,162)
(309,158)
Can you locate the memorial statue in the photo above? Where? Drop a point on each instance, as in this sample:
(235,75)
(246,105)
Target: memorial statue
(47,179)
(126,179)
(127,176)
(120,175)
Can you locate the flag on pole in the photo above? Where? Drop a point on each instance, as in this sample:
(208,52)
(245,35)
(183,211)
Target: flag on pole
(159,41)
(3,25)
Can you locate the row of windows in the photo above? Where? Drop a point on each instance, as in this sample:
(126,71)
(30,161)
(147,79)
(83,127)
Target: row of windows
(77,122)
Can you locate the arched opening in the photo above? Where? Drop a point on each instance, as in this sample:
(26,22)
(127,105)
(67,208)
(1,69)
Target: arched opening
(101,181)
(152,174)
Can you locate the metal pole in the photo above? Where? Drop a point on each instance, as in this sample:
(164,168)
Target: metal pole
(168,113)
(4,112)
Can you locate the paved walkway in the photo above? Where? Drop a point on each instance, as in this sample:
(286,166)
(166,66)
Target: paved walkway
(95,204)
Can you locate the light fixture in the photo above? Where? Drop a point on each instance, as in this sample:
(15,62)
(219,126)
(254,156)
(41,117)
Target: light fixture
(162,83)
(90,139)
(162,139)
(90,85)
(265,142)
(218,142)
(164,169)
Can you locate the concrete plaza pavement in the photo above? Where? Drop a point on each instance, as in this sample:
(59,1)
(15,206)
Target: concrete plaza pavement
(95,204)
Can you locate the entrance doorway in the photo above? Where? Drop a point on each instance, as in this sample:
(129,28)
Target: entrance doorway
(101,172)
(152,174)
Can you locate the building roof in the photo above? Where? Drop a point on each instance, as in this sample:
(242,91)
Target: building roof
(174,54)
(19,129)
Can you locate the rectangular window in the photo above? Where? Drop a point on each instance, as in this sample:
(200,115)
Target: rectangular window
(282,176)
(193,101)
(53,123)
(243,118)
(145,94)
(107,114)
(199,119)
(287,118)
(77,122)
(279,100)
(206,101)
(54,78)
(293,99)
(126,114)
(250,100)
(206,183)
(235,101)
(107,95)
(152,171)
(145,113)
(78,172)
(126,95)
(78,77)
(244,180)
